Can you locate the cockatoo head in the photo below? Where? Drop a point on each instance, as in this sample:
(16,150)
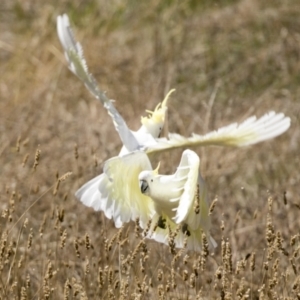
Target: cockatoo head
(154,122)
(147,179)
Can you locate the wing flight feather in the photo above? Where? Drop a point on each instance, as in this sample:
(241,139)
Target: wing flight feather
(188,167)
(129,202)
(250,132)
(77,64)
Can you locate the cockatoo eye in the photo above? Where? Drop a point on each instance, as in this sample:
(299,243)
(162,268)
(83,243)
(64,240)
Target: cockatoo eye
(144,186)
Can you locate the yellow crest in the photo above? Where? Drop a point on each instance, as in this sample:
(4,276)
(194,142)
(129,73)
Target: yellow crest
(156,170)
(158,115)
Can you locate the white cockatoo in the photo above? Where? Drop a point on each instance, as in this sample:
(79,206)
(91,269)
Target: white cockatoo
(165,201)
(181,199)
(117,191)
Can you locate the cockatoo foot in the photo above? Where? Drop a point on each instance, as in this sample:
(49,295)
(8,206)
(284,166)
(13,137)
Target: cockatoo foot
(161,223)
(185,230)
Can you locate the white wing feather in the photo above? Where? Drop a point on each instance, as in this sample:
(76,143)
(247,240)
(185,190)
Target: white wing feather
(89,194)
(188,169)
(77,64)
(116,192)
(250,132)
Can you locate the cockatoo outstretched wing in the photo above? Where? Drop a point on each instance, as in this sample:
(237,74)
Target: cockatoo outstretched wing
(116,192)
(124,196)
(96,194)
(77,64)
(251,131)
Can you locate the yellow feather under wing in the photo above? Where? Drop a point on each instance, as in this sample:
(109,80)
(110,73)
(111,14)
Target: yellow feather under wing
(124,191)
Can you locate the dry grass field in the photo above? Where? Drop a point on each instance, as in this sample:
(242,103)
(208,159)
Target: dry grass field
(227,60)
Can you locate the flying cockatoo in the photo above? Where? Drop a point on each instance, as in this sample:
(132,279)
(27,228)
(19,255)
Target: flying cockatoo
(180,198)
(166,201)
(117,191)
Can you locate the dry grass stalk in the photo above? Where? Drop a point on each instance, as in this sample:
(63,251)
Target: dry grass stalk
(67,289)
(36,159)
(25,159)
(212,206)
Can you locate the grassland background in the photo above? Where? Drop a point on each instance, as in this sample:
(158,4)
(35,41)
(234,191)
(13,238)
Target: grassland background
(244,55)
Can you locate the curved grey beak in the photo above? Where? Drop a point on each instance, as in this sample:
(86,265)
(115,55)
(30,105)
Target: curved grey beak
(143,186)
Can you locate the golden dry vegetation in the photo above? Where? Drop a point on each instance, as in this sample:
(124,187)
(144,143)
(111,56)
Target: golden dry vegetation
(227,60)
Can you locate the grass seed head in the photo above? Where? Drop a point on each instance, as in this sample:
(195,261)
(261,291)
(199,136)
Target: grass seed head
(76,154)
(23,293)
(87,241)
(212,206)
(36,159)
